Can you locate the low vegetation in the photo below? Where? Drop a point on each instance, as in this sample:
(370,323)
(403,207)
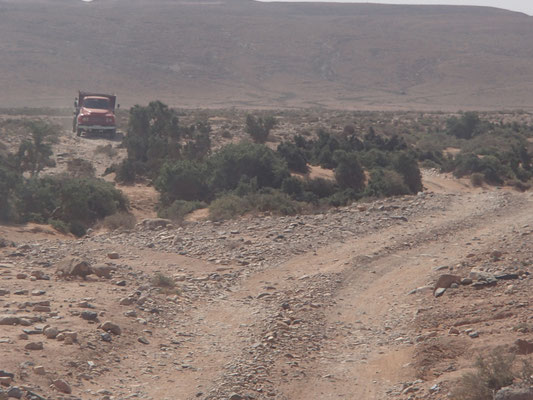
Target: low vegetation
(490,374)
(71,202)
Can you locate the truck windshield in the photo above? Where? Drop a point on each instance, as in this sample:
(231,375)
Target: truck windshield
(96,103)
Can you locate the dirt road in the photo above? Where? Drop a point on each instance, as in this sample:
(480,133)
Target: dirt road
(334,317)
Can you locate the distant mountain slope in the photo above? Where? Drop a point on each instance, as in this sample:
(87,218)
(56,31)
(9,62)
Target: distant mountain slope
(249,54)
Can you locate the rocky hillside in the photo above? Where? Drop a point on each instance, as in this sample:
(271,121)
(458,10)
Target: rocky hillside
(250,54)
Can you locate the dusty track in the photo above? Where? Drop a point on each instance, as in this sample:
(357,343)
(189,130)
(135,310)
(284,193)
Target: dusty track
(334,321)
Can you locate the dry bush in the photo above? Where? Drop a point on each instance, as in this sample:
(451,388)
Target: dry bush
(491,374)
(122,220)
(163,281)
(165,284)
(80,168)
(108,150)
(477,179)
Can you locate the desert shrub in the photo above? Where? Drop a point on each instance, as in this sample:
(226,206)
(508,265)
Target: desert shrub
(153,132)
(182,180)
(163,281)
(77,228)
(294,156)
(37,200)
(349,173)
(199,146)
(374,158)
(320,187)
(78,202)
(10,181)
(464,127)
(129,170)
(230,205)
(491,374)
(259,128)
(108,150)
(477,179)
(87,200)
(385,183)
(292,186)
(235,161)
(80,168)
(406,165)
(59,225)
(179,209)
(342,198)
(273,201)
(227,207)
(120,220)
(36,153)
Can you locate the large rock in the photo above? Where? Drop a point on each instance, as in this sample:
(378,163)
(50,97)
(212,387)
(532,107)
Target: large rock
(9,320)
(62,386)
(109,326)
(155,223)
(103,270)
(515,393)
(74,266)
(446,280)
(34,346)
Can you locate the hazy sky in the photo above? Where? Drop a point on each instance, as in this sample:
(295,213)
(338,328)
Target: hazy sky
(525,6)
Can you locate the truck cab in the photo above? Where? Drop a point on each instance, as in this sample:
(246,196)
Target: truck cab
(95,114)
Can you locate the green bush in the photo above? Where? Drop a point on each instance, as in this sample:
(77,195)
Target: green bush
(259,128)
(349,173)
(235,161)
(129,170)
(293,186)
(35,154)
(10,181)
(179,209)
(464,127)
(273,201)
(406,165)
(476,179)
(294,156)
(320,187)
(78,202)
(228,207)
(59,225)
(385,183)
(183,180)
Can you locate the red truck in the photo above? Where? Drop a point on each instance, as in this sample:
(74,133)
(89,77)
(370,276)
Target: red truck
(95,113)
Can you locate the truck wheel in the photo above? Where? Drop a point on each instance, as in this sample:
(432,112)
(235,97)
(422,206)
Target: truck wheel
(112,133)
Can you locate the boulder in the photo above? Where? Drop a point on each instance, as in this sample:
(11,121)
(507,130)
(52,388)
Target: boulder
(9,320)
(109,326)
(74,266)
(103,270)
(62,386)
(155,223)
(445,281)
(515,393)
(34,346)
(51,332)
